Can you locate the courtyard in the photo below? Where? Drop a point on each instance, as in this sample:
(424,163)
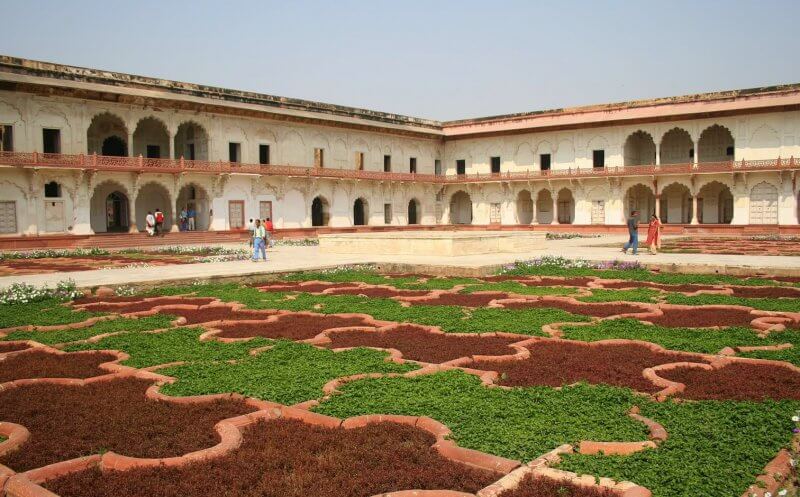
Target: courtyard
(550,376)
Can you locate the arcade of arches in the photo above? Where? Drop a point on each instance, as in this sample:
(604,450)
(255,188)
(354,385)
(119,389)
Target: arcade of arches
(460,208)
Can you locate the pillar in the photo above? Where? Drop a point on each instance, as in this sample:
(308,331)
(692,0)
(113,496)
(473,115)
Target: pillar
(534,209)
(170,140)
(130,144)
(658,154)
(658,206)
(694,206)
(696,152)
(555,209)
(132,228)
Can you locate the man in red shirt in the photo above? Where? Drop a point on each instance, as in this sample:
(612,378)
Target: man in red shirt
(268,228)
(159,223)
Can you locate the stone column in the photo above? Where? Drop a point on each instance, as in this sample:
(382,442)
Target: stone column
(132,228)
(694,207)
(658,206)
(534,209)
(696,152)
(130,144)
(555,209)
(170,140)
(658,154)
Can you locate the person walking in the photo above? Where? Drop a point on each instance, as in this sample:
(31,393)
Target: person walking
(654,235)
(150,223)
(191,214)
(159,223)
(270,228)
(259,240)
(633,233)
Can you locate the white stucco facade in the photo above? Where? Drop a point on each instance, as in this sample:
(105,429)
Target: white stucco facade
(96,200)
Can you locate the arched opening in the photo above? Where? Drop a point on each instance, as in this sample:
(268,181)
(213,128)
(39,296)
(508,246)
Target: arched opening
(52,190)
(194,200)
(460,208)
(764,204)
(320,211)
(360,212)
(191,142)
(544,207)
(640,198)
(676,147)
(151,139)
(715,204)
(676,204)
(414,211)
(107,135)
(116,212)
(715,145)
(153,196)
(114,146)
(566,206)
(639,149)
(524,207)
(109,208)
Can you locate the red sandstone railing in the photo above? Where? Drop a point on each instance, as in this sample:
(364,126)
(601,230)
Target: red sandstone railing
(140,164)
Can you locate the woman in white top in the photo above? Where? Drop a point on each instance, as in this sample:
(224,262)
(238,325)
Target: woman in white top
(150,220)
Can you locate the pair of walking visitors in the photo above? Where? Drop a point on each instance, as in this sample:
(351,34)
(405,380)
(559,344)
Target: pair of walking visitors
(653,234)
(154,223)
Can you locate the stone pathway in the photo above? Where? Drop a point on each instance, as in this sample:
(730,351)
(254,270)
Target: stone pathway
(287,259)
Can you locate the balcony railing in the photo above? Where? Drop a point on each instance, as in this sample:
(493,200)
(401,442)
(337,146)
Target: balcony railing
(143,165)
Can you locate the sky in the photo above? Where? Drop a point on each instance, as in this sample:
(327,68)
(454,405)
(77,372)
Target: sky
(433,59)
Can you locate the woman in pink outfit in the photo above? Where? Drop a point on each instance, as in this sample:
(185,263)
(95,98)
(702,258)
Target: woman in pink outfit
(654,235)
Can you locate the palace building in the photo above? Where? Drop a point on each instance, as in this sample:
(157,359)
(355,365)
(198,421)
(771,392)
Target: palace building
(87,151)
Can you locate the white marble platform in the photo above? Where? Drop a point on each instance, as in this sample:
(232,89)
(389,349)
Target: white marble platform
(440,243)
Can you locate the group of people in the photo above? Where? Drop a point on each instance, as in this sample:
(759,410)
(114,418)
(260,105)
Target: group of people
(186,219)
(154,223)
(260,236)
(653,241)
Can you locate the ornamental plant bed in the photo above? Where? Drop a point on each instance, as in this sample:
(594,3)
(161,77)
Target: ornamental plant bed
(481,299)
(140,305)
(378,292)
(735,246)
(600,310)
(290,458)
(557,362)
(688,288)
(83,263)
(68,421)
(44,364)
(299,286)
(539,486)
(702,317)
(219,313)
(13,347)
(294,326)
(421,344)
(737,381)
(756,292)
(544,281)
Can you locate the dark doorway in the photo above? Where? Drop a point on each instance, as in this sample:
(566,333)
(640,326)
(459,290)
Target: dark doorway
(114,146)
(413,210)
(116,212)
(359,212)
(319,212)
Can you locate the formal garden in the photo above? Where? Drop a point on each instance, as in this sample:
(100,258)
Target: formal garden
(550,378)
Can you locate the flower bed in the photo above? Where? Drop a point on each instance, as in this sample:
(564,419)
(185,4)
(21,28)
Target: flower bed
(128,306)
(737,381)
(460,299)
(295,326)
(67,421)
(420,344)
(532,486)
(575,307)
(45,364)
(291,458)
(702,317)
(733,246)
(559,363)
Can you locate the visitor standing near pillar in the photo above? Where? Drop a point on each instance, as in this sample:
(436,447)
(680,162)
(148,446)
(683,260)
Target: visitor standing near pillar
(259,240)
(633,234)
(191,215)
(150,224)
(159,223)
(654,235)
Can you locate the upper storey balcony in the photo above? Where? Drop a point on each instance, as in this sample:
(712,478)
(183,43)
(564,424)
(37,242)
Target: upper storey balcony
(140,164)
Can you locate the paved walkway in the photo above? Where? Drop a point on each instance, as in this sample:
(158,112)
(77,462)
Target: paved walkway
(287,259)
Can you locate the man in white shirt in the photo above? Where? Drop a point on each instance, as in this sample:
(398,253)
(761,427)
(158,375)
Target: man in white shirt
(150,221)
(259,241)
